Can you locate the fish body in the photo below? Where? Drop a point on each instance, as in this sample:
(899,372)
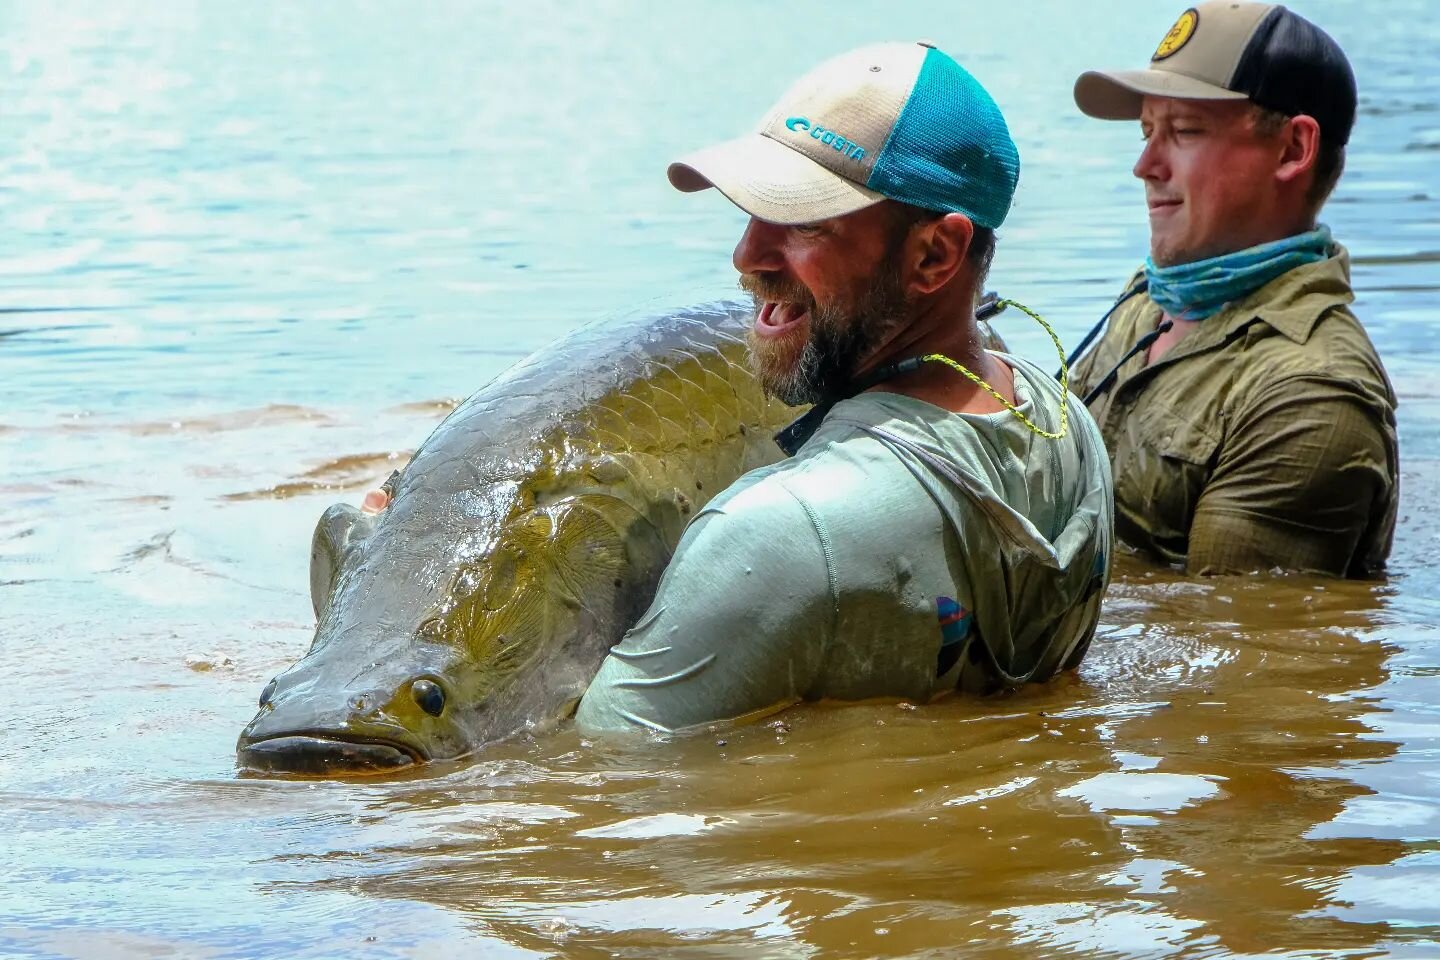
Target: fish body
(523,538)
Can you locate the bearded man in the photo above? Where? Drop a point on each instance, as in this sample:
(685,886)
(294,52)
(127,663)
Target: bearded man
(934,531)
(1249,418)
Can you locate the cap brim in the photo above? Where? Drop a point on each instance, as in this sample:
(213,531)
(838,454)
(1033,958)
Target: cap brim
(1118,94)
(770,181)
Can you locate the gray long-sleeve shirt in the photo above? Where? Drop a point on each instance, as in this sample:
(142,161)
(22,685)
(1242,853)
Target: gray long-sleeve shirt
(904,551)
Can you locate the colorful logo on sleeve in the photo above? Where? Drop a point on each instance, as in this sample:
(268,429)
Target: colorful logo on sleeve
(956,623)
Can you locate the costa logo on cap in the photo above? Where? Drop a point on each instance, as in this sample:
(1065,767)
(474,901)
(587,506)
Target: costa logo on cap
(829,138)
(896,120)
(1178,36)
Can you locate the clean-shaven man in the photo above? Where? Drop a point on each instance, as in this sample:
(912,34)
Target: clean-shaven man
(1249,419)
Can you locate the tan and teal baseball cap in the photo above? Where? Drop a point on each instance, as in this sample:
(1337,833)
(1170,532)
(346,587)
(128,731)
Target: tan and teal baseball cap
(1229,50)
(902,121)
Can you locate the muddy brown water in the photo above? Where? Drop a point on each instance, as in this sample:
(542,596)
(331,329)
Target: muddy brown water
(253,255)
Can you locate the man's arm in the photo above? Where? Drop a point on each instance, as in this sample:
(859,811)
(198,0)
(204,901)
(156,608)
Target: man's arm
(738,626)
(1296,486)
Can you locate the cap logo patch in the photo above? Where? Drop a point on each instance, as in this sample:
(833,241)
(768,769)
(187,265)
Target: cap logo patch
(848,148)
(1178,36)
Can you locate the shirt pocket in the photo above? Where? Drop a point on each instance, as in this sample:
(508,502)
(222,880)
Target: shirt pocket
(1159,486)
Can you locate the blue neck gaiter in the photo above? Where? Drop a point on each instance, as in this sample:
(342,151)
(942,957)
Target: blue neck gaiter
(1198,290)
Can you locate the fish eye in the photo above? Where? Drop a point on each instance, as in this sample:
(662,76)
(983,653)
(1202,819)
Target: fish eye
(429,695)
(267,693)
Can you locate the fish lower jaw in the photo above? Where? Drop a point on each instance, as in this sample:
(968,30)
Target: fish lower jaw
(326,754)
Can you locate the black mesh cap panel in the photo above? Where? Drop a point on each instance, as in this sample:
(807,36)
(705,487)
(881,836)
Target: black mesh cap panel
(1293,66)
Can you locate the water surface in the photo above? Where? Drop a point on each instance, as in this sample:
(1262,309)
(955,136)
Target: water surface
(254,252)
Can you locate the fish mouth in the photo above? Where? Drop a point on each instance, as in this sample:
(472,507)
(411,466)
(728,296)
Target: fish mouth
(320,754)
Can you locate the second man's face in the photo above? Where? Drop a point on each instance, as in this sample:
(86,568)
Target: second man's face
(1209,178)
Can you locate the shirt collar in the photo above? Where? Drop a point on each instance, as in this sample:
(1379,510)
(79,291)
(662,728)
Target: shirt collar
(1294,302)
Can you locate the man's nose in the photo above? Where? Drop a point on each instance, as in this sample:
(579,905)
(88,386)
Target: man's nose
(1151,164)
(759,248)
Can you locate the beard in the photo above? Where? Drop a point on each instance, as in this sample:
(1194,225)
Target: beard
(841,335)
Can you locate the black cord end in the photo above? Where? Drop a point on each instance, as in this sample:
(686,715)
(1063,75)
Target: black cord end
(989,306)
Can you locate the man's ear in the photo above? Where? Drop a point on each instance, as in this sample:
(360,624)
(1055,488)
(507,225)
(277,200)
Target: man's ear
(1300,147)
(938,251)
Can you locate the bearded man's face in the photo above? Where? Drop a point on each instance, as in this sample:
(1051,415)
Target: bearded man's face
(827,295)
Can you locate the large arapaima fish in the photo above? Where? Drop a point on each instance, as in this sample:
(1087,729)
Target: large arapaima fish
(524,537)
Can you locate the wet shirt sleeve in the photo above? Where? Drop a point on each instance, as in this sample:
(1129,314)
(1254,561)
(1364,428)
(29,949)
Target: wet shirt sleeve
(1296,485)
(738,626)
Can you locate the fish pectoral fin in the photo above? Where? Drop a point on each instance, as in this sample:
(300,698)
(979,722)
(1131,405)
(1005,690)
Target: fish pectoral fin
(589,552)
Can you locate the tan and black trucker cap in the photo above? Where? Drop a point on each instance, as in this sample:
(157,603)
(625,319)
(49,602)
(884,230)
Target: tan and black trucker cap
(1228,50)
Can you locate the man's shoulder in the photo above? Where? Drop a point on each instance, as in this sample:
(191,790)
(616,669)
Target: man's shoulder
(1129,316)
(774,505)
(760,495)
(1335,349)
(845,479)
(833,470)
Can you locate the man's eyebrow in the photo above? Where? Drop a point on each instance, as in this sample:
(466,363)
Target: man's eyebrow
(1176,116)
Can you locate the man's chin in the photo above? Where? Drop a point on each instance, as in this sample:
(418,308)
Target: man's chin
(780,375)
(1168,252)
(775,357)
(790,393)
(783,383)
(1160,252)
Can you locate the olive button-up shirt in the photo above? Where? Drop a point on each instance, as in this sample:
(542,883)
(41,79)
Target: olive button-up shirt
(1264,438)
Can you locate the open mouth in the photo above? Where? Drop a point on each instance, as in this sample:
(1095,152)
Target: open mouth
(319,754)
(778,319)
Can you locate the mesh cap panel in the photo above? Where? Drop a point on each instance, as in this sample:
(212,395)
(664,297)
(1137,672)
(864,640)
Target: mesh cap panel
(950,149)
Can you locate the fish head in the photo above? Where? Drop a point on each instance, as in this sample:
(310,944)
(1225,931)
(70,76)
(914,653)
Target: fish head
(440,630)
